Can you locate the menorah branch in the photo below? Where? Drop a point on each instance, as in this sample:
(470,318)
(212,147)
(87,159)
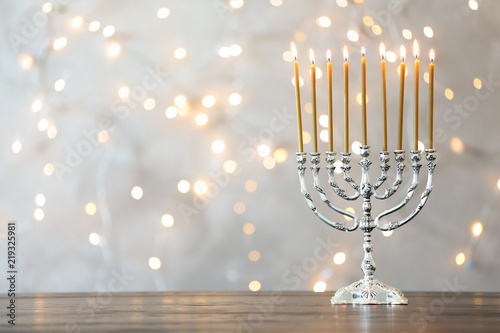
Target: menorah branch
(400,157)
(431,165)
(301,160)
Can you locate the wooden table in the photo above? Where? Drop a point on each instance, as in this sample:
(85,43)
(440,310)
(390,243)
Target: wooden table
(249,312)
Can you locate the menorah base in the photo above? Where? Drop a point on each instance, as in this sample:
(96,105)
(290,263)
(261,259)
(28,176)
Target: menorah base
(369,292)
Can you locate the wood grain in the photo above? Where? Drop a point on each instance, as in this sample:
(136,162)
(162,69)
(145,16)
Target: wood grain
(250,312)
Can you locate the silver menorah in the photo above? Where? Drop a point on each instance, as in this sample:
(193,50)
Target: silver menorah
(367,290)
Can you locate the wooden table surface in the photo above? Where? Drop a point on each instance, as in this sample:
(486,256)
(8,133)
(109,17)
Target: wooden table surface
(249,312)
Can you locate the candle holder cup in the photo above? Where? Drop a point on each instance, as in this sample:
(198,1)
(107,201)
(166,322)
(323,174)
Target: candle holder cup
(367,290)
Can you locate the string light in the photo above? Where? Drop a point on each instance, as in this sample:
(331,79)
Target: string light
(323,21)
(149,104)
(180,53)
(448,93)
(306,137)
(48,169)
(103,136)
(137,192)
(183,186)
(428,32)
(338,164)
(36,105)
(47,7)
(154,263)
(477,229)
(59,85)
(201,119)
(356,147)
(60,43)
(167,220)
(234,99)
(236,4)
(473,4)
(171,112)
(407,34)
(40,200)
(276,3)
(359,99)
(42,124)
(114,49)
(38,214)
(377,29)
(123,92)
(254,255)
(218,146)
(319,287)
(269,163)
(200,187)
(108,31)
(352,35)
(26,61)
(94,26)
(350,210)
(457,145)
(390,56)
(342,3)
(323,135)
(16,147)
(208,101)
(235,50)
(254,286)
(163,13)
(263,150)
(90,208)
(478,83)
(251,185)
(323,120)
(280,155)
(368,21)
(460,258)
(225,52)
(339,258)
(249,229)
(239,208)
(180,100)
(94,238)
(77,22)
(229,166)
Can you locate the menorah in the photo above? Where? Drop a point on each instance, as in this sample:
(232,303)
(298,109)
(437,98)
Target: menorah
(367,290)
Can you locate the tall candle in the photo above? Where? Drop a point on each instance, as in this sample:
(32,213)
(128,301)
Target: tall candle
(346,100)
(417,73)
(363,94)
(431,100)
(330,101)
(402,71)
(384,94)
(313,79)
(297,97)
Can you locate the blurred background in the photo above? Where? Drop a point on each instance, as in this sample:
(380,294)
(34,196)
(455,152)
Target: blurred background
(156,141)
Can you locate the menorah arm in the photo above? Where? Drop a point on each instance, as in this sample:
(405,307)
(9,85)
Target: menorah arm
(384,167)
(415,157)
(431,157)
(384,158)
(330,168)
(346,168)
(301,159)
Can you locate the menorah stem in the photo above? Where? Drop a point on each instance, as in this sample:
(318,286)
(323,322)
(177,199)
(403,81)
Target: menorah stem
(368,266)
